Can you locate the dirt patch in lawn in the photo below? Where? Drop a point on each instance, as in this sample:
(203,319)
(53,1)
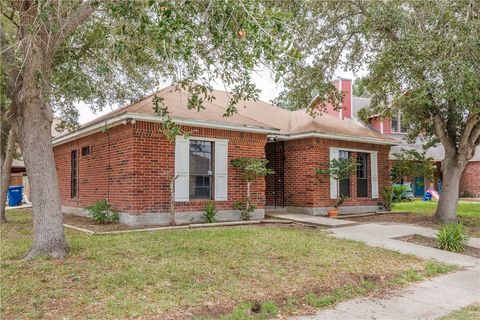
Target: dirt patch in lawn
(432,243)
(423,220)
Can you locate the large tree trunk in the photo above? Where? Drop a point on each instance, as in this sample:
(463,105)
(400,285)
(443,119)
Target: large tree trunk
(6,166)
(33,130)
(448,202)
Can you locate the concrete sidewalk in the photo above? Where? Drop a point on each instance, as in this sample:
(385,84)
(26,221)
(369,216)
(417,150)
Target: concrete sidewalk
(313,220)
(430,299)
(381,235)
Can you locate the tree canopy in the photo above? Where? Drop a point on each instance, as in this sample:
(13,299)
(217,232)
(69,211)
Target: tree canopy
(422,58)
(58,53)
(124,49)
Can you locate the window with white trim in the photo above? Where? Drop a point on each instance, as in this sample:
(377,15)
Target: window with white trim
(397,125)
(201,169)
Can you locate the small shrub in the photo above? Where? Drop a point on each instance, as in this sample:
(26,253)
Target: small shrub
(210,212)
(340,201)
(451,237)
(387,198)
(102,212)
(246,209)
(401,192)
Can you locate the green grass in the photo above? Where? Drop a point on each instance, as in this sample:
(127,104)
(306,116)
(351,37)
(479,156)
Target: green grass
(468,212)
(465,209)
(469,313)
(207,273)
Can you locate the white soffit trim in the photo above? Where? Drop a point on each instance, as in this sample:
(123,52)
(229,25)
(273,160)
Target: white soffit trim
(353,150)
(153,118)
(334,136)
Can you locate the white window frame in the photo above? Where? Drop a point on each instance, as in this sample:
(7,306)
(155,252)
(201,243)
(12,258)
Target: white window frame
(216,177)
(373,167)
(398,116)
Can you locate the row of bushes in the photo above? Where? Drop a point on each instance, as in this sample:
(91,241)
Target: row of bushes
(102,212)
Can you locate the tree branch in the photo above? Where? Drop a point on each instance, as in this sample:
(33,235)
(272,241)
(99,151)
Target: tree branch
(73,22)
(475,136)
(442,134)
(388,32)
(472,123)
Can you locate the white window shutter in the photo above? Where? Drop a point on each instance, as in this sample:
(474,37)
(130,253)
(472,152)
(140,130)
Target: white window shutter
(182,168)
(333,183)
(374,172)
(221,170)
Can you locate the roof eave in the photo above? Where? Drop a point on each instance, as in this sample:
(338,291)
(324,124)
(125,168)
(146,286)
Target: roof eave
(333,136)
(116,120)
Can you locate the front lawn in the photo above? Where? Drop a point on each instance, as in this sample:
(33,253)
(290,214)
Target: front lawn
(465,209)
(219,272)
(468,212)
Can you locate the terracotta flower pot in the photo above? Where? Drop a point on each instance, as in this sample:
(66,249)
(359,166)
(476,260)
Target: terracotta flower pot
(332,213)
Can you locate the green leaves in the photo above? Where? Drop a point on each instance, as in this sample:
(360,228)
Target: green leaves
(339,169)
(102,212)
(451,237)
(252,168)
(126,48)
(421,57)
(411,163)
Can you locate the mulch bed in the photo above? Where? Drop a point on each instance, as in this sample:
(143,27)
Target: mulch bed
(87,223)
(432,243)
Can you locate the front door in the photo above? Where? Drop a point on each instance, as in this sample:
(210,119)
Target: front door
(275,188)
(419,187)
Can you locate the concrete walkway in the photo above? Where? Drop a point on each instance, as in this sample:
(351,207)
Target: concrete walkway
(381,235)
(430,299)
(313,220)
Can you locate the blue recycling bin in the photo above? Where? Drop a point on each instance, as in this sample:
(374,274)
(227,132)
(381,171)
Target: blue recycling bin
(15,195)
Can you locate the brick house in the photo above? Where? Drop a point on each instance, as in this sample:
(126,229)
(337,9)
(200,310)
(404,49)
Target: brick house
(397,129)
(124,157)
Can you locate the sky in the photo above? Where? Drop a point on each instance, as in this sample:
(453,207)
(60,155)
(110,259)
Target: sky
(262,78)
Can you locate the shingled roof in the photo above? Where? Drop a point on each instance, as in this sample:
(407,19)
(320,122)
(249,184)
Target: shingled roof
(255,116)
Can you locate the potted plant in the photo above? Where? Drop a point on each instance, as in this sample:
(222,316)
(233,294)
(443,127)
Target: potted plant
(338,169)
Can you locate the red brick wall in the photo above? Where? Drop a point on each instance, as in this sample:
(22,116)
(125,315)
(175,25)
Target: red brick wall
(346,102)
(375,122)
(304,188)
(131,169)
(107,173)
(387,126)
(470,180)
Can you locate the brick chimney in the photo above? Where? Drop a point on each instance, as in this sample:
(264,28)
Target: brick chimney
(344,85)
